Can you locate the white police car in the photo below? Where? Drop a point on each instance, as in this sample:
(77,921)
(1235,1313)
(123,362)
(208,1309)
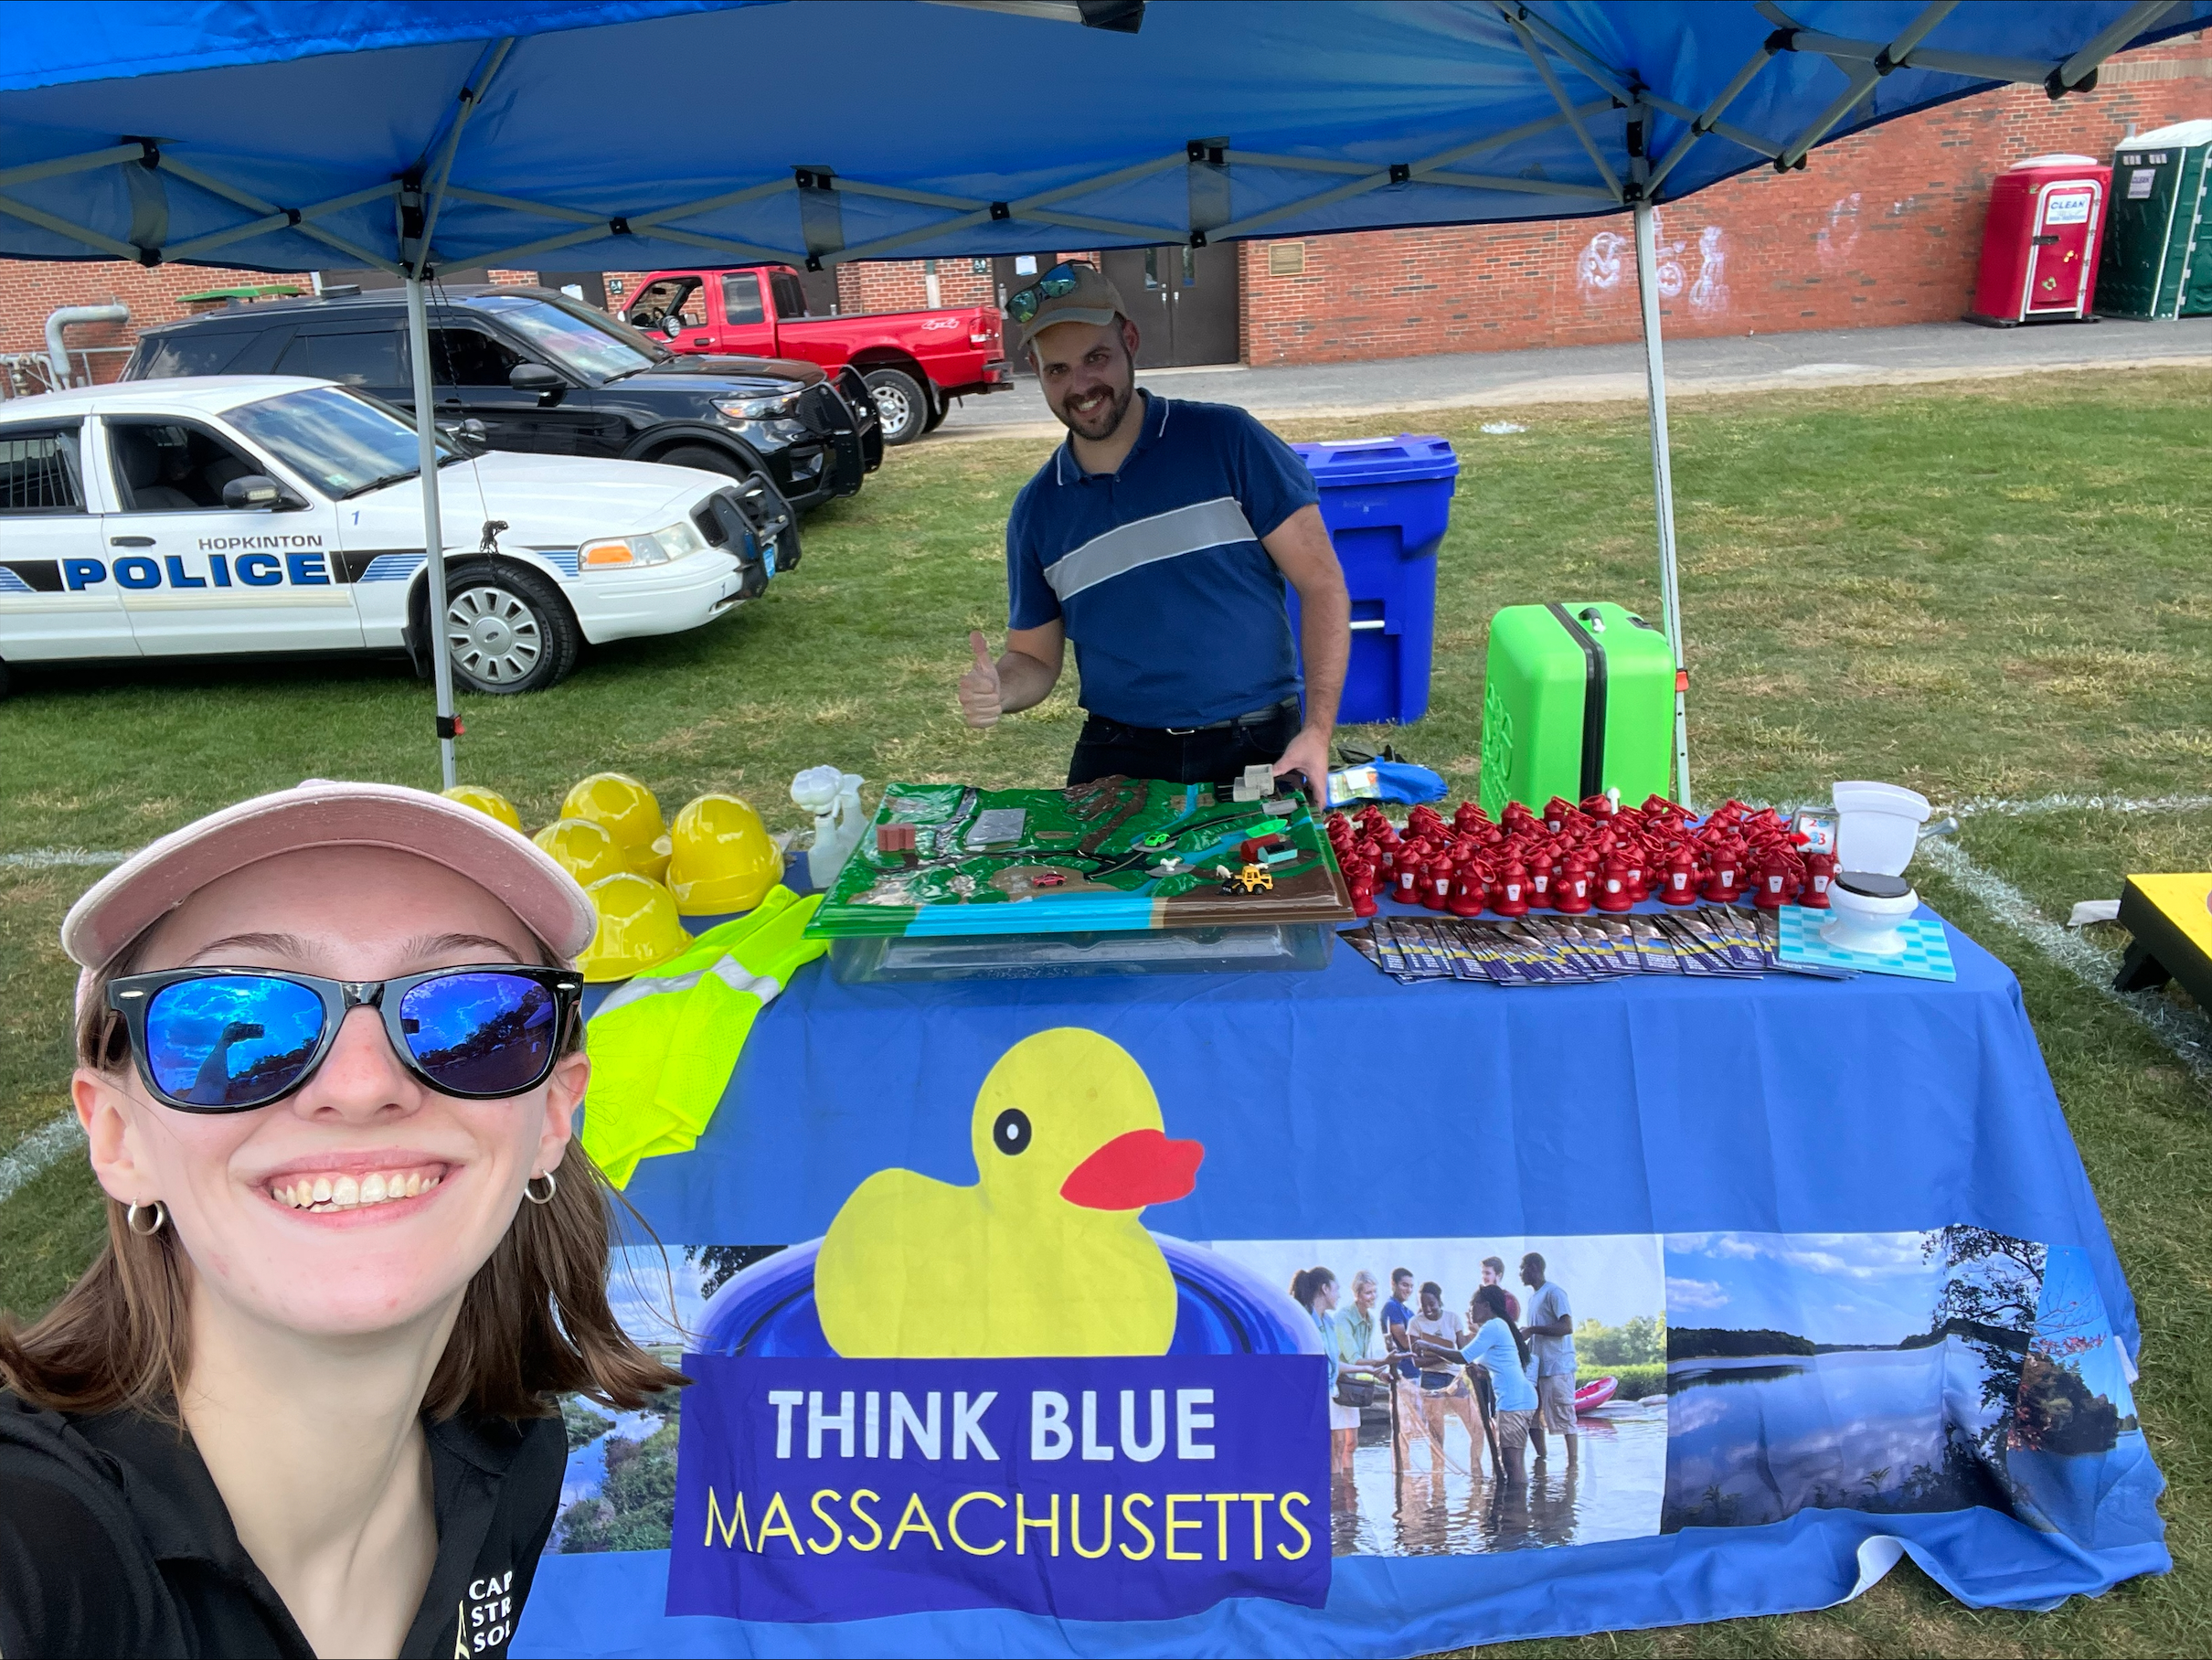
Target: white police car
(272,513)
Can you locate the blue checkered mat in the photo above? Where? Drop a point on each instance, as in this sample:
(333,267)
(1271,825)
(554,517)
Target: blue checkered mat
(1926,956)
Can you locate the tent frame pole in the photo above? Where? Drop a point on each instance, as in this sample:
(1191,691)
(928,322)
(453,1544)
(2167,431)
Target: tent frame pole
(1663,485)
(433,523)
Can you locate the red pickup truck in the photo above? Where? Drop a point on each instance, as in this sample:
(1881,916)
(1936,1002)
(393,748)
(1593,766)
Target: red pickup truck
(913,362)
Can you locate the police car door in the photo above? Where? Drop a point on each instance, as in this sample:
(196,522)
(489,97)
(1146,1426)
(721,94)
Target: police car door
(55,600)
(194,576)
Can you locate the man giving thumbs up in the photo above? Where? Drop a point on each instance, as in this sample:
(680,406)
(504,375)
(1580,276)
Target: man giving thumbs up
(1159,539)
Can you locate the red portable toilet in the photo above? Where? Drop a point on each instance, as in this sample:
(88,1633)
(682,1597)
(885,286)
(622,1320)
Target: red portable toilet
(2040,243)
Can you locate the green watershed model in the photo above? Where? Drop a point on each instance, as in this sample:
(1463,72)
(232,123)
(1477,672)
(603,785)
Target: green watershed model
(1122,874)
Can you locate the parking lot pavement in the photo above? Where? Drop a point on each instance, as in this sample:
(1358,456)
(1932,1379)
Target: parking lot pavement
(1579,374)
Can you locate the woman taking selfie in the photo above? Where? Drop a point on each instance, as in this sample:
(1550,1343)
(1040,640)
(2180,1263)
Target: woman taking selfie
(303,1402)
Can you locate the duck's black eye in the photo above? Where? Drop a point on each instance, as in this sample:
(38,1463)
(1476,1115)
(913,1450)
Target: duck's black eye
(1011,1132)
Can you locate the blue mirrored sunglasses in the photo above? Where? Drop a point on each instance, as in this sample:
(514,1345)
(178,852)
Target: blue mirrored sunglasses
(231,1039)
(1059,280)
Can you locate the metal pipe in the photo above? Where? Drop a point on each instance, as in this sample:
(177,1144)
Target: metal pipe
(57,354)
(1663,486)
(433,525)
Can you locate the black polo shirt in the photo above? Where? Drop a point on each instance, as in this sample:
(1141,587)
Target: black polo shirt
(113,1540)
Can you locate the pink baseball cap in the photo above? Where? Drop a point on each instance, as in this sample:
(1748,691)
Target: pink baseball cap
(160,877)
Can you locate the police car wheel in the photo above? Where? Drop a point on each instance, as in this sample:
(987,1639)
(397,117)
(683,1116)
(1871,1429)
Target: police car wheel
(904,407)
(507,630)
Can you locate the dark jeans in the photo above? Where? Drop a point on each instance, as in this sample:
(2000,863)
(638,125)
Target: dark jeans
(1216,756)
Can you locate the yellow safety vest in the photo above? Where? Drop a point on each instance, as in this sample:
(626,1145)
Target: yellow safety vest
(662,1046)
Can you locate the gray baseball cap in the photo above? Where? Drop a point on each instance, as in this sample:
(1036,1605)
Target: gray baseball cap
(1071,292)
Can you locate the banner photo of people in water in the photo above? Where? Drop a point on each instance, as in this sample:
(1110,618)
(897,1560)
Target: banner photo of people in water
(1320,1400)
(1557,1436)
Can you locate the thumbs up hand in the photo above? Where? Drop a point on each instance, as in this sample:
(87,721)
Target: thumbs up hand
(979,687)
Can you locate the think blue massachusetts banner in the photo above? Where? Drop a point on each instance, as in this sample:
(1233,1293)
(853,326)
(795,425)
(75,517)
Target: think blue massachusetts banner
(980,1387)
(1093,1489)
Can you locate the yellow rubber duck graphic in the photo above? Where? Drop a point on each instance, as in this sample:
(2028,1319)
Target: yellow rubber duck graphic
(1044,1255)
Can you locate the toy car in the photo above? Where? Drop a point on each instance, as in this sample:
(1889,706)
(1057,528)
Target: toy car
(1253,878)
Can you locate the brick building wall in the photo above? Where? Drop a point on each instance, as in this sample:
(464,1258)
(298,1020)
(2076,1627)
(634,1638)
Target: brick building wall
(1881,227)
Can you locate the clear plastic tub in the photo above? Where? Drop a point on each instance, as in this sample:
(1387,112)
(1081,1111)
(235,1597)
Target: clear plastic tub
(1294,946)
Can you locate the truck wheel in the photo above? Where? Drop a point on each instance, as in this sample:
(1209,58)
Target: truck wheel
(902,405)
(714,460)
(508,629)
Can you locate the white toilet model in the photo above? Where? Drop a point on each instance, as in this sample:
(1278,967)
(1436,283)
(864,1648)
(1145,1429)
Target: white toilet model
(1877,829)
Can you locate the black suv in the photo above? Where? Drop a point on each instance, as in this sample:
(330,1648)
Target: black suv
(548,375)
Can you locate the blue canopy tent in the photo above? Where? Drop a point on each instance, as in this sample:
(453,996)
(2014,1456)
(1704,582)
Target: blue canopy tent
(414,134)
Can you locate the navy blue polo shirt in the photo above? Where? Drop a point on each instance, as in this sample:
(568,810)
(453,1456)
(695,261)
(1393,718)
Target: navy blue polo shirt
(1175,611)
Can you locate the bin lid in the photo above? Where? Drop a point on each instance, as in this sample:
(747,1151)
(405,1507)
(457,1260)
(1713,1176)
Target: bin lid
(1373,460)
(2181,136)
(2057,158)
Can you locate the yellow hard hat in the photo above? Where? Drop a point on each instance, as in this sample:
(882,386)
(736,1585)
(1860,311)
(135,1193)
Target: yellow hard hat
(638,927)
(485,801)
(628,810)
(723,860)
(586,850)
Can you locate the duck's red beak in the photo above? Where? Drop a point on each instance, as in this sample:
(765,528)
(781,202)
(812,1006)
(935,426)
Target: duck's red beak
(1130,1172)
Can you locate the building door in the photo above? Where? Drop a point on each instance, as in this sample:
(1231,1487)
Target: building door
(590,286)
(1207,305)
(1010,272)
(820,288)
(1136,275)
(1183,300)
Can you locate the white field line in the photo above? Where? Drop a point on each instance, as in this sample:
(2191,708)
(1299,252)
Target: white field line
(2041,805)
(58,858)
(39,1152)
(2095,968)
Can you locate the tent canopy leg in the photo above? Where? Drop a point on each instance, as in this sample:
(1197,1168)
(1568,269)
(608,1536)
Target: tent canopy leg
(433,536)
(1663,486)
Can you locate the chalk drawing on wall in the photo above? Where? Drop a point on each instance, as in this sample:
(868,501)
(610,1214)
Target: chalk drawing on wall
(1709,293)
(1603,264)
(1841,236)
(1608,258)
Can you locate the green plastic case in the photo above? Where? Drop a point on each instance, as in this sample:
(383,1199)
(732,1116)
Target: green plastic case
(1578,698)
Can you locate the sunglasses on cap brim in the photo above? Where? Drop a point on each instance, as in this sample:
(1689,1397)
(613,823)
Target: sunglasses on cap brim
(1056,283)
(232,1039)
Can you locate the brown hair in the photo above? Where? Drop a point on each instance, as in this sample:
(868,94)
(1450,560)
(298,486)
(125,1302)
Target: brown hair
(1307,1283)
(535,1322)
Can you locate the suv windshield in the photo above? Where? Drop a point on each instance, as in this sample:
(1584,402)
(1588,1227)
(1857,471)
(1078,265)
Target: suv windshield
(597,354)
(345,445)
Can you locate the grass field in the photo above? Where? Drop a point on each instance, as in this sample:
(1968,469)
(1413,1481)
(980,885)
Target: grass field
(2000,592)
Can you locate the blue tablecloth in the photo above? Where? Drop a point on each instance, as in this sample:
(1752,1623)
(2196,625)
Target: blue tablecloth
(1846,1163)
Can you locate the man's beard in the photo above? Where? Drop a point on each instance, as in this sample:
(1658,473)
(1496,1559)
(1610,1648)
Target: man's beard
(1106,420)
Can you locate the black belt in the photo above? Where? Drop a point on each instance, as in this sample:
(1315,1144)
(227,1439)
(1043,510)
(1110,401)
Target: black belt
(1250,717)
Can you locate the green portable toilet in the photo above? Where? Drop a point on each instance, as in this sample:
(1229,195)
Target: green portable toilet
(2158,232)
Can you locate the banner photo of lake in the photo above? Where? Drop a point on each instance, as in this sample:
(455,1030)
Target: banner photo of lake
(1896,1373)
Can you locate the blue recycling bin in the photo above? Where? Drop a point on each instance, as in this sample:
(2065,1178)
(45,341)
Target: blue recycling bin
(1386,502)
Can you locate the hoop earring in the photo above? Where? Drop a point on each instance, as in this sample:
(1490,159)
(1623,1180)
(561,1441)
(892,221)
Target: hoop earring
(528,1188)
(160,1213)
